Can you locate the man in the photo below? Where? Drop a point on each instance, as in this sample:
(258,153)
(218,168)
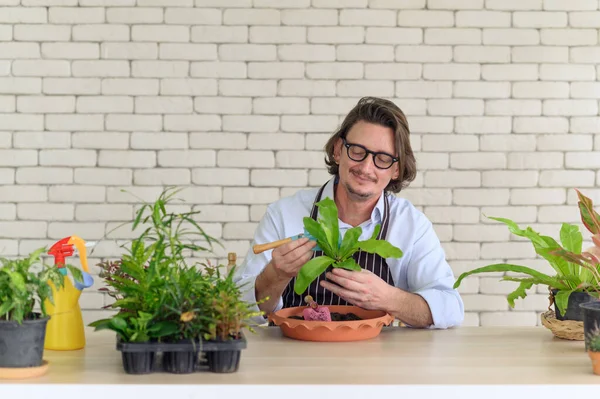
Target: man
(369,157)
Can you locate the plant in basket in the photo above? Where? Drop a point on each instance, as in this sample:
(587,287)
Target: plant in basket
(577,278)
(24,283)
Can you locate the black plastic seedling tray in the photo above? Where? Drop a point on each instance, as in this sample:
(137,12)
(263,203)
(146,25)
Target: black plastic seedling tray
(182,357)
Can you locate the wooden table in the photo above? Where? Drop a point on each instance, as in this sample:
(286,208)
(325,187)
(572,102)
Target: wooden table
(413,359)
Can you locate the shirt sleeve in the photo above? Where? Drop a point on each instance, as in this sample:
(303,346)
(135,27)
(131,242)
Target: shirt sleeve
(430,276)
(253,264)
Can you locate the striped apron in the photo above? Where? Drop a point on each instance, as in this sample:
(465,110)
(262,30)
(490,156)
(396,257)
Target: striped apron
(371,262)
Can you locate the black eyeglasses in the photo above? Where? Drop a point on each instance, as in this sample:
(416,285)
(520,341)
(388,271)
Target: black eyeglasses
(359,153)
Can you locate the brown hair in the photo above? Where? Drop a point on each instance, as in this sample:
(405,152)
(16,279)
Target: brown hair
(385,113)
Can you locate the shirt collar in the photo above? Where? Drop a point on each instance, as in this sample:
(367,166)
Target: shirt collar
(376,215)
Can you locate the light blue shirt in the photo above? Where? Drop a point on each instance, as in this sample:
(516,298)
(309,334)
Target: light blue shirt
(422,270)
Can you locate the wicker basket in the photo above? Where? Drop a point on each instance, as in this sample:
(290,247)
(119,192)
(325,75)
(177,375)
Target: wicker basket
(564,329)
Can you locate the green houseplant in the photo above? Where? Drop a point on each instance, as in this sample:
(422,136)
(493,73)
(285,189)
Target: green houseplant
(24,283)
(577,271)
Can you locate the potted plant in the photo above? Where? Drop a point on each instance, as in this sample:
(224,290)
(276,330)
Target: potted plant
(22,327)
(592,345)
(577,278)
(337,253)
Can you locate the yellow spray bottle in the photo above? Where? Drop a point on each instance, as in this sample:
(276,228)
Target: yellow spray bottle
(65,330)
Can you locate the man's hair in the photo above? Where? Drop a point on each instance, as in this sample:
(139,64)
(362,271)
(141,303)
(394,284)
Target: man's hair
(385,113)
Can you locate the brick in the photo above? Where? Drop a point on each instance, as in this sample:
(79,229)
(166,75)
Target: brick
(100,33)
(451,71)
(218,140)
(482,54)
(249,195)
(41,68)
(475,196)
(76,193)
(164,105)
(352,88)
(159,69)
(582,160)
(541,125)
(250,123)
(508,250)
(453,179)
(221,177)
(6,33)
(76,51)
(397,4)
(484,233)
(315,141)
(509,72)
(105,104)
(411,106)
(251,17)
(276,106)
(124,123)
(127,159)
(45,211)
(223,105)
(44,175)
(361,17)
(192,16)
(510,36)
(309,17)
(45,104)
(166,177)
(103,176)
(188,87)
(308,123)
(22,122)
(70,157)
(585,125)
(483,19)
(452,36)
(218,69)
(13,86)
(76,15)
(456,107)
(101,140)
(103,212)
(301,88)
(392,71)
(540,90)
(247,52)
(8,104)
(332,105)
(431,124)
(570,107)
(298,159)
(461,250)
(186,158)
(42,33)
(13,50)
(566,178)
(585,90)
(75,122)
(278,178)
(7,212)
(336,70)
(541,54)
(567,142)
(222,213)
(538,196)
(134,15)
(482,89)
(275,70)
(290,3)
(23,229)
(125,86)
(593,194)
(168,3)
(424,53)
(424,89)
(258,159)
(513,107)
(6,139)
(518,214)
(567,72)
(584,55)
(428,196)
(392,36)
(24,15)
(316,177)
(160,33)
(572,6)
(191,122)
(455,4)
(546,19)
(129,51)
(535,160)
(362,52)
(71,86)
(306,52)
(247,88)
(102,68)
(507,142)
(450,143)
(483,124)
(432,160)
(23,193)
(478,160)
(239,230)
(331,35)
(425,18)
(158,141)
(269,34)
(558,214)
(597,143)
(504,178)
(569,37)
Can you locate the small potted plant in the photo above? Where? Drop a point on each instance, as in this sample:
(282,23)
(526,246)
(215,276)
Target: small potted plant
(577,278)
(592,346)
(22,328)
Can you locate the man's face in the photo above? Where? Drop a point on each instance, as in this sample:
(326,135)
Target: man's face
(363,179)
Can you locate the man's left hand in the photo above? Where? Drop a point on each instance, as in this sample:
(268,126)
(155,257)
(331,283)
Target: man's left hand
(360,288)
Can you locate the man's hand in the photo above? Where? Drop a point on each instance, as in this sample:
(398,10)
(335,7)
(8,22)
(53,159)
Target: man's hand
(288,259)
(363,289)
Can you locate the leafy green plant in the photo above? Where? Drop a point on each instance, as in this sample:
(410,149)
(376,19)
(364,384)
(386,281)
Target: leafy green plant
(326,231)
(21,286)
(575,270)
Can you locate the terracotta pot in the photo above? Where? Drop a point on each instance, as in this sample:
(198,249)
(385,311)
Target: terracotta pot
(332,331)
(595,356)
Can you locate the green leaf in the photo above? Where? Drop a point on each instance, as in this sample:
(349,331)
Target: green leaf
(118,323)
(506,267)
(571,238)
(380,247)
(18,281)
(310,271)
(376,232)
(5,308)
(329,222)
(520,292)
(349,242)
(349,264)
(163,328)
(77,274)
(315,229)
(561,299)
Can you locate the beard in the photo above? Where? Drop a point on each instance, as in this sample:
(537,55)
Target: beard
(360,195)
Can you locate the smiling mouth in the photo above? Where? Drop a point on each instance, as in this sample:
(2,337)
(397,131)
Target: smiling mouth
(362,178)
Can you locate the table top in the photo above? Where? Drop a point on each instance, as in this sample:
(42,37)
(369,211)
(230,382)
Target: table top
(465,355)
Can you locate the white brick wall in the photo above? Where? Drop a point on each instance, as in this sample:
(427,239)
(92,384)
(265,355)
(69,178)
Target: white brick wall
(236,98)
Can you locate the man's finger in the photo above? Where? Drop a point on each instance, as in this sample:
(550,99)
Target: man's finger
(344,282)
(293,245)
(341,292)
(350,274)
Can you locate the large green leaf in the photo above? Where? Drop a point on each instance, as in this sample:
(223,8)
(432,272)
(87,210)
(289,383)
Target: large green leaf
(380,247)
(507,267)
(17,280)
(561,299)
(376,231)
(310,271)
(571,238)
(349,242)
(520,292)
(329,221)
(5,308)
(162,329)
(349,264)
(315,229)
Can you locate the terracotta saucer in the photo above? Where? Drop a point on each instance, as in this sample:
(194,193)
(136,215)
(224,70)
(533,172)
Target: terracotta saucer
(332,331)
(19,373)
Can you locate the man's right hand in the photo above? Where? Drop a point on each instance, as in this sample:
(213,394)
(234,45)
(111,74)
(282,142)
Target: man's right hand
(288,259)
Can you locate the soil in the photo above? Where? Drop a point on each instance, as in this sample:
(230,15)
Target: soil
(335,317)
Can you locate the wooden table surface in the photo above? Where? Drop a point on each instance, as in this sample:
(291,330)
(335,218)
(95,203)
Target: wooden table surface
(466,355)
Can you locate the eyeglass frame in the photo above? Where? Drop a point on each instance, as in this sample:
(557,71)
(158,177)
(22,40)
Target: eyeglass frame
(367,152)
